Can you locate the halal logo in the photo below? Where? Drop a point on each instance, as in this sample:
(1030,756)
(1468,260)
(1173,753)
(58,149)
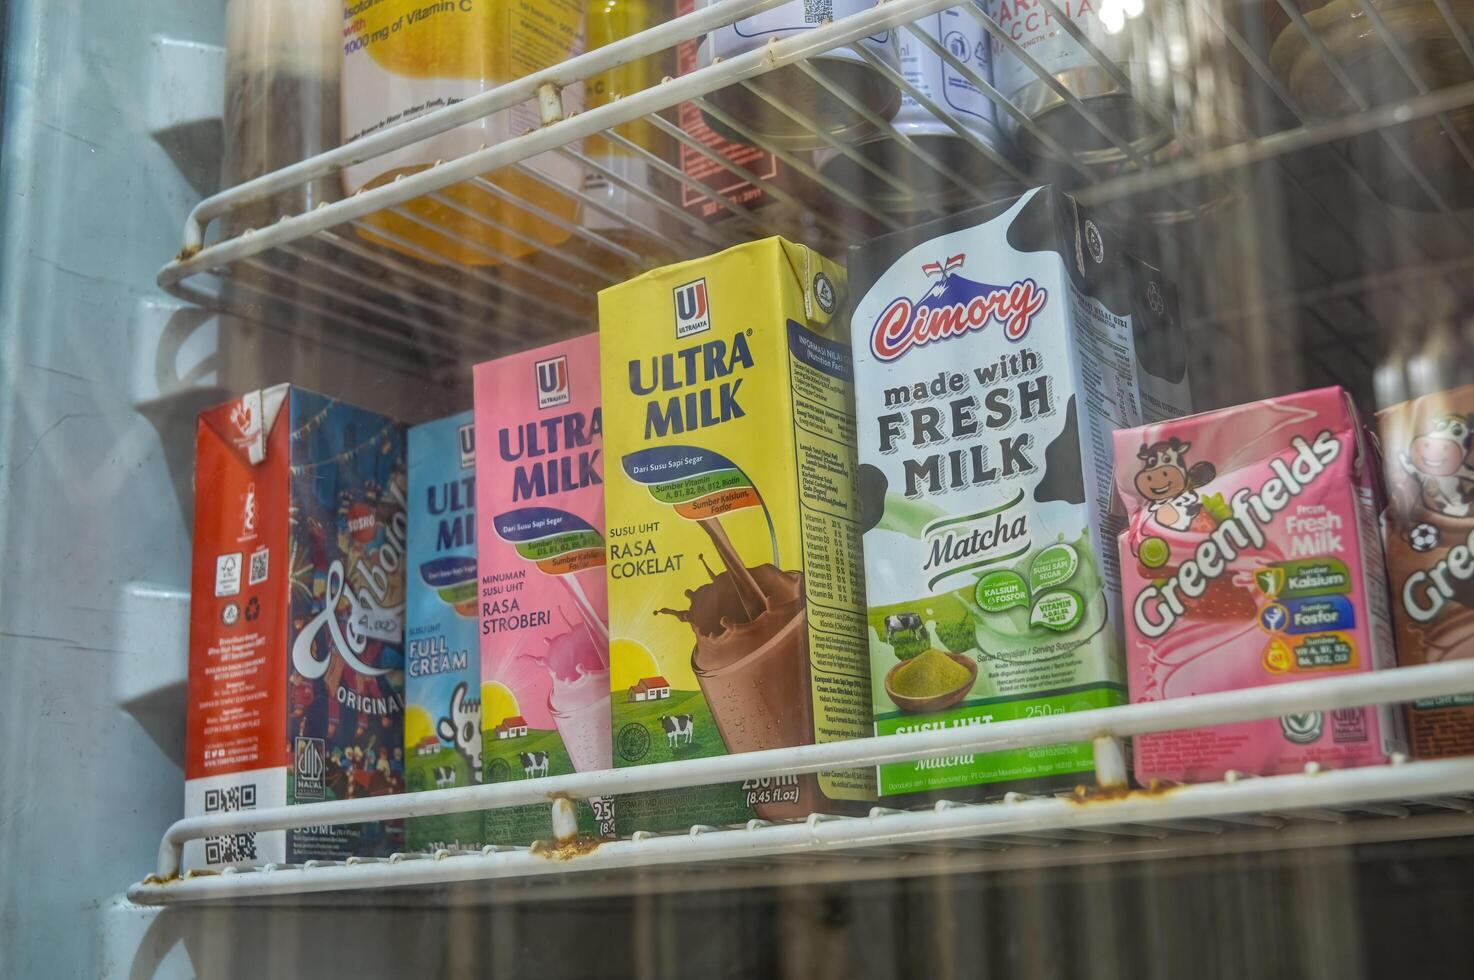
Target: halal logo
(310,757)
(1094,243)
(633,742)
(824,292)
(552,382)
(693,309)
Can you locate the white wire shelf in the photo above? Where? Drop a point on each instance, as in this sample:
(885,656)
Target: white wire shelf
(1304,236)
(1401,800)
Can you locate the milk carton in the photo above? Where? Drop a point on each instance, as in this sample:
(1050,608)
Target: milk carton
(544,638)
(995,351)
(734,579)
(1429,527)
(442,686)
(1252,557)
(296,621)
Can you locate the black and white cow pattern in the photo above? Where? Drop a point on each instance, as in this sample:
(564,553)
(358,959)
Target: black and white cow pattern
(533,764)
(445,777)
(909,624)
(678,727)
(462,727)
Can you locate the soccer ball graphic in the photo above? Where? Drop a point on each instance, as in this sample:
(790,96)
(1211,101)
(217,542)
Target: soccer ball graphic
(1423,537)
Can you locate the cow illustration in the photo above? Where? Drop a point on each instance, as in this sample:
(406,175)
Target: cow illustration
(909,624)
(1438,459)
(533,763)
(678,727)
(445,776)
(462,727)
(1170,484)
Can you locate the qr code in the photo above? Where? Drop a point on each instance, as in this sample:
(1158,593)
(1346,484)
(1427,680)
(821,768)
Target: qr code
(818,11)
(230,848)
(259,566)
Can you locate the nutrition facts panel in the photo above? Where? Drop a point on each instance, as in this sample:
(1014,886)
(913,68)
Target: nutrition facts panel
(824,437)
(1107,366)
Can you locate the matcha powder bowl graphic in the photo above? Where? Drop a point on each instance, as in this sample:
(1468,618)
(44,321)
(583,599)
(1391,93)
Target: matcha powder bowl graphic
(932,681)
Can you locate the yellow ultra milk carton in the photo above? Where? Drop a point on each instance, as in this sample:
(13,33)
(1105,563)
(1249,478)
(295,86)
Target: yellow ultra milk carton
(736,596)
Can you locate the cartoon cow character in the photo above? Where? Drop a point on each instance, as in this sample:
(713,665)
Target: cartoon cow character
(678,727)
(445,777)
(462,727)
(1438,459)
(1170,484)
(533,763)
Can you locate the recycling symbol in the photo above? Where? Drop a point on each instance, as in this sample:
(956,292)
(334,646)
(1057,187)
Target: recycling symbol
(253,609)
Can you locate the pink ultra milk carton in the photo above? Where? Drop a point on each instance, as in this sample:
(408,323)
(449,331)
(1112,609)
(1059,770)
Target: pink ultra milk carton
(1252,556)
(540,562)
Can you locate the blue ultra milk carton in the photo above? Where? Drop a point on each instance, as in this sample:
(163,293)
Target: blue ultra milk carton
(442,731)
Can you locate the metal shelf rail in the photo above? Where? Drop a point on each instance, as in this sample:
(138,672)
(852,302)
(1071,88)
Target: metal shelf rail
(417,304)
(1429,798)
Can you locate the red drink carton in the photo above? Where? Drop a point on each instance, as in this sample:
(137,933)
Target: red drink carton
(1252,557)
(296,661)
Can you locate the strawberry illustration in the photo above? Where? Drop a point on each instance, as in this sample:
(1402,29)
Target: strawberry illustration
(1203,522)
(1222,600)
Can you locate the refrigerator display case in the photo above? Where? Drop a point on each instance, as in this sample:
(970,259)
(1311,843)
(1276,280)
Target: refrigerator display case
(203,201)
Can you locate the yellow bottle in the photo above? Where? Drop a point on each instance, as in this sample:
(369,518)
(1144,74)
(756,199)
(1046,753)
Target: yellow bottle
(616,214)
(403,58)
(607,21)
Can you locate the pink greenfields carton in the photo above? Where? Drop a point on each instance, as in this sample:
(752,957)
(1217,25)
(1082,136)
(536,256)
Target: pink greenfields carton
(1252,556)
(540,561)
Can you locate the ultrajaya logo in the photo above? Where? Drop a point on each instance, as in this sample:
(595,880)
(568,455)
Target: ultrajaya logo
(693,309)
(1158,608)
(552,382)
(952,307)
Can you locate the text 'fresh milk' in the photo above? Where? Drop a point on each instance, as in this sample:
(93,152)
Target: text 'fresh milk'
(995,352)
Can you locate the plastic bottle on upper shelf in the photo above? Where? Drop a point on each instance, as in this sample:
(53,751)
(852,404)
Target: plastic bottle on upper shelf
(402,59)
(758,104)
(281,101)
(630,217)
(958,99)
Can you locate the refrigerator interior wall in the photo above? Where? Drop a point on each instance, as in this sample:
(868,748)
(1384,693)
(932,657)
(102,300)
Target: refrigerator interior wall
(111,134)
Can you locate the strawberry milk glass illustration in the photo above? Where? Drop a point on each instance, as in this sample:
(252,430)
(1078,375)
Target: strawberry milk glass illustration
(1251,557)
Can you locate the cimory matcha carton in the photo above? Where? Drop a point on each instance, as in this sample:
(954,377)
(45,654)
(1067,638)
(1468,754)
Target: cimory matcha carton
(540,553)
(1429,528)
(995,351)
(442,686)
(735,592)
(1252,557)
(296,622)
